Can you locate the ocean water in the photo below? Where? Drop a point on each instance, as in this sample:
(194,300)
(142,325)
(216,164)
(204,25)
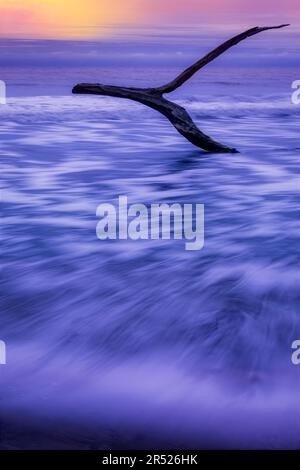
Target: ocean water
(123,344)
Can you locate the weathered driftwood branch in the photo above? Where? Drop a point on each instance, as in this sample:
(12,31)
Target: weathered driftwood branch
(177,115)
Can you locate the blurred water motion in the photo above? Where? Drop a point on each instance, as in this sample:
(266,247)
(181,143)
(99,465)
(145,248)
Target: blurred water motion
(128,344)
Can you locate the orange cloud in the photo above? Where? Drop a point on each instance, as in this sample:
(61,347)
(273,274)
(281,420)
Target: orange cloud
(62,18)
(92,18)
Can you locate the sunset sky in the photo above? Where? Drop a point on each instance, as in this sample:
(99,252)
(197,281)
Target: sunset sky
(84,19)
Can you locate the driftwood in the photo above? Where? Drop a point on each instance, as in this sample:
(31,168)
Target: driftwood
(177,115)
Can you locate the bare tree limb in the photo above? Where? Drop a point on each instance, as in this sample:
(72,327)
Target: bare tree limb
(177,115)
(189,72)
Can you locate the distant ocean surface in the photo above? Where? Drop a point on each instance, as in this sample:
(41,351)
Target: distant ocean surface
(124,344)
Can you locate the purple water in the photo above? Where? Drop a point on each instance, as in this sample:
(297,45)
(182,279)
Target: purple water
(124,344)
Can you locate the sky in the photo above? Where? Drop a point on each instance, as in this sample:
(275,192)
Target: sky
(87,19)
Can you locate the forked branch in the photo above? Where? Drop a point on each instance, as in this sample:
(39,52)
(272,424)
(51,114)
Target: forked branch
(177,115)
